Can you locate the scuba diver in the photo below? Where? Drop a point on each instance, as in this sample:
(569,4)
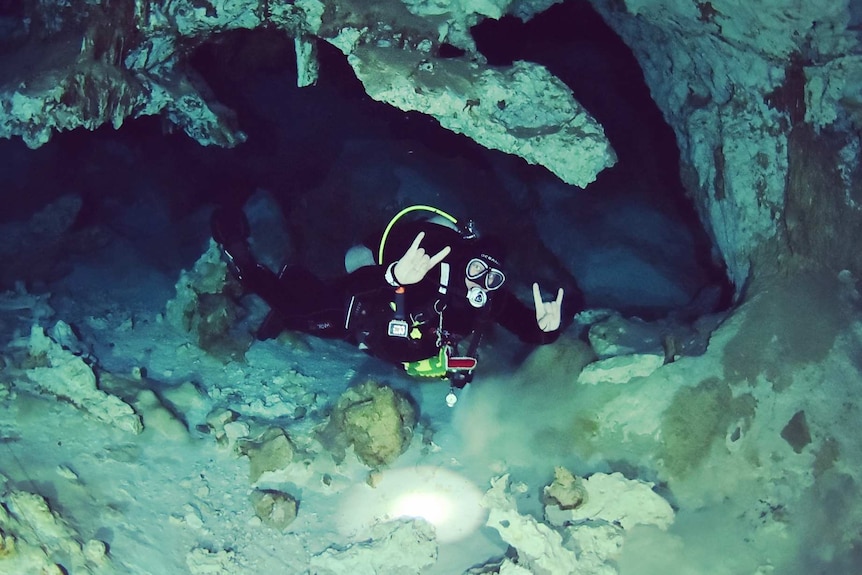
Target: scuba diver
(433,285)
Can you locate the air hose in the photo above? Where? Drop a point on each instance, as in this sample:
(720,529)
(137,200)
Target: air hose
(403,212)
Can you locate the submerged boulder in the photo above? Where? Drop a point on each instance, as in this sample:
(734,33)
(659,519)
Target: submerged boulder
(273,451)
(205,305)
(376,420)
(275,508)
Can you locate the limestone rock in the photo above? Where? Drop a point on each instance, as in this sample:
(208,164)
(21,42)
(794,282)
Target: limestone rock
(119,60)
(201,561)
(20,303)
(205,306)
(68,85)
(597,545)
(523,109)
(749,111)
(559,361)
(187,400)
(273,451)
(620,369)
(539,546)
(33,537)
(375,420)
(218,421)
(95,551)
(159,418)
(274,508)
(503,566)
(617,335)
(761,120)
(567,491)
(615,500)
(685,332)
(833,92)
(406,547)
(59,372)
(233,432)
(73,68)
(586,537)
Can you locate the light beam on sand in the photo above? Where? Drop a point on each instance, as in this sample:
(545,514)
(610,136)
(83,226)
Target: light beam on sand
(441,497)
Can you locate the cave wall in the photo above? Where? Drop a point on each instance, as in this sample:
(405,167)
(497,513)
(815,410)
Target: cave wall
(766,101)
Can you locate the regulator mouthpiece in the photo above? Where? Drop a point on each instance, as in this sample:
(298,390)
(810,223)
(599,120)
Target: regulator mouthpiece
(477,297)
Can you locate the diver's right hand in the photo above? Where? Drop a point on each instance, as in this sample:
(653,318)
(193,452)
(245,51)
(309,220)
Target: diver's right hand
(415,263)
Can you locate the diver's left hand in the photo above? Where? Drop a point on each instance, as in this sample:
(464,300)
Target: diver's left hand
(548,313)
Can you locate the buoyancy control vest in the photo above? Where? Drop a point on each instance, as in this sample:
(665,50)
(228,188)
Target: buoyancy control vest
(410,324)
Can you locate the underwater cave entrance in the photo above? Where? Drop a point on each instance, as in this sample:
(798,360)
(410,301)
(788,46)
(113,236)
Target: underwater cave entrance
(329,152)
(340,164)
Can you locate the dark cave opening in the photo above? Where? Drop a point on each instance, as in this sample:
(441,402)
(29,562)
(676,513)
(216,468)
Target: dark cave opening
(573,41)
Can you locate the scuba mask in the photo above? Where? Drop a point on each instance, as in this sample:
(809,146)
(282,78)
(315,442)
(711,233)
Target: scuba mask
(478,269)
(480,272)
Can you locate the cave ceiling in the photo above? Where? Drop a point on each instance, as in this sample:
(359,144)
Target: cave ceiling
(110,62)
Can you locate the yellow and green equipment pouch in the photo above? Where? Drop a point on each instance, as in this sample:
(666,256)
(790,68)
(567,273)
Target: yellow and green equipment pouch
(436,366)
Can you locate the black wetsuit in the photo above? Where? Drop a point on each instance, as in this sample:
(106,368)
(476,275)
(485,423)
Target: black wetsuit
(358,306)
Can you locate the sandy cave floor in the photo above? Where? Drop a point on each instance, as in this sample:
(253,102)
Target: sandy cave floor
(172,500)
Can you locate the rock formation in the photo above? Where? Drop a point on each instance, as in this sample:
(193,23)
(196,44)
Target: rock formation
(33,537)
(375,420)
(108,63)
(49,368)
(765,104)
